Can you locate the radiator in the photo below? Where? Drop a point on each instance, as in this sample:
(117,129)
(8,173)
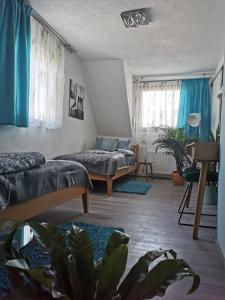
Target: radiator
(163,164)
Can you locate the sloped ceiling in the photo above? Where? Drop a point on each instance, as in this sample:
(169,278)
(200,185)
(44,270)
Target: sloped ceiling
(107,90)
(184,36)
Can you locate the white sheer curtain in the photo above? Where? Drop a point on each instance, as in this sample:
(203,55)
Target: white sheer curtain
(155,104)
(46,78)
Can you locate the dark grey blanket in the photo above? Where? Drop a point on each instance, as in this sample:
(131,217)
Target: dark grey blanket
(20,161)
(102,162)
(48,177)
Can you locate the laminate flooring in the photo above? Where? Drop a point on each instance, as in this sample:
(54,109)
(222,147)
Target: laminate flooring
(151,222)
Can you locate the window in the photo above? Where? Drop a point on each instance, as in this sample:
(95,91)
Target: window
(46,78)
(155,104)
(159,104)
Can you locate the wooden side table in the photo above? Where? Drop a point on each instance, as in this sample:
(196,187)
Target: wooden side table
(148,166)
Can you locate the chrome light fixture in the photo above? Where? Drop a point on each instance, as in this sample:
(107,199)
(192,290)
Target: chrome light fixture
(136,17)
(194,119)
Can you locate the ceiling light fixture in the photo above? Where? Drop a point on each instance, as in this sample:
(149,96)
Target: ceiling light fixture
(136,17)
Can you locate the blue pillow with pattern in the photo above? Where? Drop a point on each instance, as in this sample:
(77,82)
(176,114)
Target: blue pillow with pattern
(109,144)
(123,144)
(98,143)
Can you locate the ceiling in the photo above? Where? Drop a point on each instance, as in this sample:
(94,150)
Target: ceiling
(184,36)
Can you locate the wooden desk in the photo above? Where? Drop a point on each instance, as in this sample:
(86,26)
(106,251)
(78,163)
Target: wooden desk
(203,152)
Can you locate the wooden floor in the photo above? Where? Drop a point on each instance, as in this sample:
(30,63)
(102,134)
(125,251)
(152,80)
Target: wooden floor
(151,222)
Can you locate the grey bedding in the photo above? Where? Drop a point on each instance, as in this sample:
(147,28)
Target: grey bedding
(51,176)
(20,161)
(102,162)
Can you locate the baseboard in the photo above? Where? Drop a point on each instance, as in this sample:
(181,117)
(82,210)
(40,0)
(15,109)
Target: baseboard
(220,251)
(162,176)
(155,176)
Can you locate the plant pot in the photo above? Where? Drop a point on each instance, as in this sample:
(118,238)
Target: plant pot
(177,179)
(210,197)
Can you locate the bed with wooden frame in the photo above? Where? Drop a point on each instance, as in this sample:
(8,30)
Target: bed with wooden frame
(30,191)
(31,208)
(104,165)
(120,172)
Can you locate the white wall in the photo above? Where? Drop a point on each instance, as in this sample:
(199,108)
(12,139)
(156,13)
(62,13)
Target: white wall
(75,134)
(221,185)
(215,103)
(129,88)
(107,90)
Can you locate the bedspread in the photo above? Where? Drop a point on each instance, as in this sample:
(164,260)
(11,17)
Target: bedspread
(51,176)
(20,161)
(102,162)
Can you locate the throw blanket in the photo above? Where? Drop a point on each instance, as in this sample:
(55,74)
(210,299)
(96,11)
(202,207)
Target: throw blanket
(20,161)
(49,177)
(102,162)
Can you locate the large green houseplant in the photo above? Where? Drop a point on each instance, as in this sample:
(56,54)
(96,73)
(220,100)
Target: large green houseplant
(73,273)
(173,141)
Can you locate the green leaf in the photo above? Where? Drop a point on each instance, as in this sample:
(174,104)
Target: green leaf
(46,279)
(8,247)
(116,239)
(19,270)
(19,263)
(28,292)
(158,279)
(47,235)
(74,279)
(52,240)
(81,251)
(140,269)
(111,271)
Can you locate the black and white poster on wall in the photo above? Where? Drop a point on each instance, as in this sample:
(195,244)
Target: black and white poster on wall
(76,100)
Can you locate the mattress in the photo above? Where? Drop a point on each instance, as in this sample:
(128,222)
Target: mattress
(48,177)
(102,162)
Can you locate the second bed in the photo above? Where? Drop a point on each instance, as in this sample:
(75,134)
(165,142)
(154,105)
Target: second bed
(105,165)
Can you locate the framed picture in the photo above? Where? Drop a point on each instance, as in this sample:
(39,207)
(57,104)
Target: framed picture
(76,100)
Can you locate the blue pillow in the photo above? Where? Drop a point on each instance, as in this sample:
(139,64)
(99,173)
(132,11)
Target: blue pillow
(109,144)
(123,144)
(98,143)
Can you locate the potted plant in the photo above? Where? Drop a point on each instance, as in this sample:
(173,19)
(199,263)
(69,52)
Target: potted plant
(73,273)
(173,142)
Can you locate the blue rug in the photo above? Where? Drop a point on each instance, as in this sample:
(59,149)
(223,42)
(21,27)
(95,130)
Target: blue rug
(132,187)
(36,256)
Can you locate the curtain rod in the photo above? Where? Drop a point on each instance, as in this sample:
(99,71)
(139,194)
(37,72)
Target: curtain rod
(50,29)
(174,77)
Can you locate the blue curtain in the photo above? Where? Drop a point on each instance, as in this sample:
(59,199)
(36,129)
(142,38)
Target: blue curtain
(14,62)
(195,98)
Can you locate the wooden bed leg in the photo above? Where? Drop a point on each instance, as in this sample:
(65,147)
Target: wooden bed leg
(136,172)
(85,200)
(109,187)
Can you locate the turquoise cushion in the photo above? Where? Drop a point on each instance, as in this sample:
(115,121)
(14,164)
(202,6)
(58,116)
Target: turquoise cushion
(212,175)
(108,144)
(123,144)
(192,174)
(98,143)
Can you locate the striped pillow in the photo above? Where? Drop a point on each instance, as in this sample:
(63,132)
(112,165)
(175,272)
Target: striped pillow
(98,143)
(109,144)
(123,144)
